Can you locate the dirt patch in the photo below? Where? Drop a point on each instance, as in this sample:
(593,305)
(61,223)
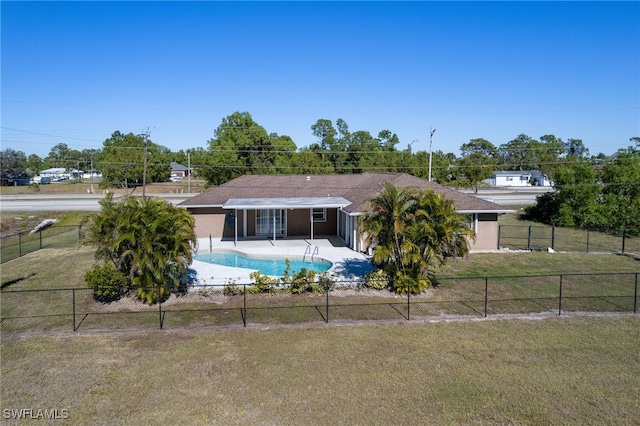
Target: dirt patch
(129,303)
(17,223)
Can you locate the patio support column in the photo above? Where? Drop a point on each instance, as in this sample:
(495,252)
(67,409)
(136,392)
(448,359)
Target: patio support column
(355,234)
(274,226)
(235,229)
(311,219)
(244,223)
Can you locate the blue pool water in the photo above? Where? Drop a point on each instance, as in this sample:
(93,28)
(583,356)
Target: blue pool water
(266,265)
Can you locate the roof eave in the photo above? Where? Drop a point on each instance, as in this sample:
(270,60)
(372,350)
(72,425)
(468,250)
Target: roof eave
(468,211)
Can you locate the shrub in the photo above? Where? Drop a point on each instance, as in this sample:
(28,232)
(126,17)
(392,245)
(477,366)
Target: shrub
(286,278)
(302,281)
(377,280)
(231,288)
(404,283)
(262,283)
(107,282)
(326,282)
(153,295)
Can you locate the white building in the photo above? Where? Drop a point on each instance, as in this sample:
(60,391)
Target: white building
(55,172)
(519,178)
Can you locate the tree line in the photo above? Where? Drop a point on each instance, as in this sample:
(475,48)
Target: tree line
(241,146)
(590,191)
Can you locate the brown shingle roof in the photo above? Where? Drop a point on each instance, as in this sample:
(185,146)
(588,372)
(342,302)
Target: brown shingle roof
(357,188)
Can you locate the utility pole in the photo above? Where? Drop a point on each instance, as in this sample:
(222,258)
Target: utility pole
(188,172)
(91,171)
(145,136)
(431,132)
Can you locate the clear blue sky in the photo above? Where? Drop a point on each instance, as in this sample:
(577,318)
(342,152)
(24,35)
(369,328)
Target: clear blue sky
(74,72)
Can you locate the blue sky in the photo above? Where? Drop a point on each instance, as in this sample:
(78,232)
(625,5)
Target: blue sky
(74,72)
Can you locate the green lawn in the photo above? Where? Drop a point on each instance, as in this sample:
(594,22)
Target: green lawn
(516,283)
(567,370)
(528,372)
(518,234)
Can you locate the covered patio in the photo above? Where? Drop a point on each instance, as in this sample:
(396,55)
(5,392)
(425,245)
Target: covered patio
(272,217)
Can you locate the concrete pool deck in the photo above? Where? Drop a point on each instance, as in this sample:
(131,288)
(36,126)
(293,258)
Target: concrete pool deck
(346,262)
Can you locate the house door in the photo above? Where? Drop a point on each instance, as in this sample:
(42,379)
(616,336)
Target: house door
(267,218)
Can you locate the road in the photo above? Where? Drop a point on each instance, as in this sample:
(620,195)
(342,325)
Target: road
(89,202)
(509,197)
(65,202)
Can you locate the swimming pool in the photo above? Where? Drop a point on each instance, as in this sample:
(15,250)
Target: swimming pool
(267,265)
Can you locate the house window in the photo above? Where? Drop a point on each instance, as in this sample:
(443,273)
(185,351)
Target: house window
(470,220)
(509,178)
(319,215)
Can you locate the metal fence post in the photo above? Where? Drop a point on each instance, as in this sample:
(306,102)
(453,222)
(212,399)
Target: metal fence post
(327,305)
(560,297)
(635,296)
(408,303)
(159,307)
(499,235)
(486,295)
(624,235)
(553,237)
(20,244)
(244,306)
(529,239)
(40,232)
(73,301)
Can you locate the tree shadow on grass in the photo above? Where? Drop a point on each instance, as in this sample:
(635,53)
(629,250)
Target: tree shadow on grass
(15,280)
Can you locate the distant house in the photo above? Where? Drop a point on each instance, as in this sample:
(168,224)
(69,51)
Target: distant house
(76,174)
(519,178)
(178,170)
(54,174)
(282,206)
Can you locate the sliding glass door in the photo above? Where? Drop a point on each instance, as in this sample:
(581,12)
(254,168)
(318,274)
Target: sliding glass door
(265,220)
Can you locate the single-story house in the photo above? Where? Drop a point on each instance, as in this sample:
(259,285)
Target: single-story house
(308,206)
(519,178)
(53,173)
(178,170)
(76,174)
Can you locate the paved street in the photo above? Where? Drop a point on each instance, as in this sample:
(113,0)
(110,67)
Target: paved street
(90,202)
(64,202)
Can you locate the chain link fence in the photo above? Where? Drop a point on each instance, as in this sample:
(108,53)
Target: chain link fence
(62,310)
(538,237)
(20,244)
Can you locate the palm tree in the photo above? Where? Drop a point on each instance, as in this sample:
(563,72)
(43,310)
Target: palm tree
(414,232)
(148,240)
(386,226)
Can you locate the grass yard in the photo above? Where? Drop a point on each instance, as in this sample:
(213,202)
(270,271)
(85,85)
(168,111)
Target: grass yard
(461,292)
(515,234)
(566,370)
(529,372)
